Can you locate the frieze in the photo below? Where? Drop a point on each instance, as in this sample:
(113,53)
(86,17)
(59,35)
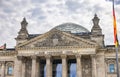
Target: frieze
(52,53)
(55,47)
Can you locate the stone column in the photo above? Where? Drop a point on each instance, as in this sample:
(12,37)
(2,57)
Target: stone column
(64,66)
(23,67)
(48,66)
(38,68)
(34,64)
(3,69)
(18,66)
(78,66)
(94,73)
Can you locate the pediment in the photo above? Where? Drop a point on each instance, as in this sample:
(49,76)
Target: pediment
(56,38)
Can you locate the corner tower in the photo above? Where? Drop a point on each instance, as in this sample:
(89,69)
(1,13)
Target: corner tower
(96,32)
(23,33)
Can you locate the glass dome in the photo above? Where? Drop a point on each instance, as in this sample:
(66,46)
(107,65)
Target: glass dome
(71,27)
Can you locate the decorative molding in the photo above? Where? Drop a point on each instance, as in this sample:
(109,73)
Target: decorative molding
(78,56)
(34,57)
(48,56)
(8,53)
(110,60)
(10,63)
(63,56)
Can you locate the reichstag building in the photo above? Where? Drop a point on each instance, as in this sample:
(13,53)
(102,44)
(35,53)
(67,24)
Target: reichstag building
(67,50)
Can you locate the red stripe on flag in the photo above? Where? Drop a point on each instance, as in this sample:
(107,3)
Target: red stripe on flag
(115,27)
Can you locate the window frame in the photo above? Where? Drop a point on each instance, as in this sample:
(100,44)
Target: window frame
(108,62)
(9,70)
(111,68)
(9,64)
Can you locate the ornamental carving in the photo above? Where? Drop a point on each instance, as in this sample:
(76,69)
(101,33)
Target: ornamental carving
(110,60)
(56,40)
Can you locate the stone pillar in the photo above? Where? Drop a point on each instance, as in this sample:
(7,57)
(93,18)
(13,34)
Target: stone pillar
(48,66)
(3,69)
(18,66)
(34,64)
(23,67)
(64,66)
(94,73)
(38,74)
(78,66)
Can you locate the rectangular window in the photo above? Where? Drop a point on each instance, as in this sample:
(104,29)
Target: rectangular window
(111,68)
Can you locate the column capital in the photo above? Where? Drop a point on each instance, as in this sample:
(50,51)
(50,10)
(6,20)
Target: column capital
(48,56)
(34,57)
(78,56)
(93,56)
(63,56)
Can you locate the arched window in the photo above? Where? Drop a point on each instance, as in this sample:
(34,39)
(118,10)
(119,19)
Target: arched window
(9,68)
(111,68)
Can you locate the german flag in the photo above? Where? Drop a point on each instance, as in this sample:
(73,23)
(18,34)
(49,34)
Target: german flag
(115,28)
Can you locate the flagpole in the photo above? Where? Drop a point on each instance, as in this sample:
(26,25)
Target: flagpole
(117,62)
(116,42)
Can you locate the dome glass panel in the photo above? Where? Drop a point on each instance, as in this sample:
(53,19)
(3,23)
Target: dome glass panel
(71,27)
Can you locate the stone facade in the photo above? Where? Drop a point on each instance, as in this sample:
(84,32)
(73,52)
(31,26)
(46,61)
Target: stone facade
(38,55)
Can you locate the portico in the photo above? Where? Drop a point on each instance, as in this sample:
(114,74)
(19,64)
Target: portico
(45,65)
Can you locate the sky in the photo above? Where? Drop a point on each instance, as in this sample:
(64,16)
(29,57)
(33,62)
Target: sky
(43,15)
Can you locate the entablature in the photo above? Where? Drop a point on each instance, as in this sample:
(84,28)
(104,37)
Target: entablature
(60,51)
(8,53)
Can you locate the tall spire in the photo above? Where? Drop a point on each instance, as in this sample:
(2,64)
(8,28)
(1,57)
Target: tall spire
(96,28)
(23,33)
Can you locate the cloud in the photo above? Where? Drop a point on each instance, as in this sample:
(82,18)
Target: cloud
(117,2)
(38,1)
(43,15)
(72,5)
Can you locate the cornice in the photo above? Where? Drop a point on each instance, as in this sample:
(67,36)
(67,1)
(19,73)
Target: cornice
(8,53)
